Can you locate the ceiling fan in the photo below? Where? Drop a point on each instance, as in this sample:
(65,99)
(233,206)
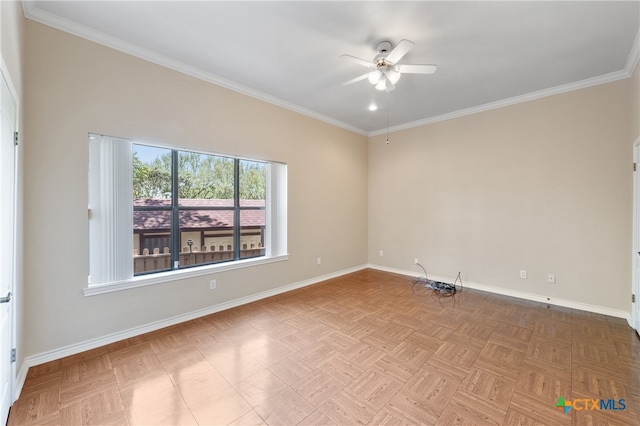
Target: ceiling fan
(384,70)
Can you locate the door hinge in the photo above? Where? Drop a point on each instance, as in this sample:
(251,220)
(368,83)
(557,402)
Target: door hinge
(633,298)
(16,138)
(13,355)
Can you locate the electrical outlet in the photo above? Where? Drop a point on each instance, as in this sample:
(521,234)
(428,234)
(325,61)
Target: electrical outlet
(523,274)
(415,261)
(319,261)
(551,278)
(381,253)
(212,285)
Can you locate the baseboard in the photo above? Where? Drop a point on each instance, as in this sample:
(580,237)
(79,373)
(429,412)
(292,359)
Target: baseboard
(518,294)
(20,379)
(76,348)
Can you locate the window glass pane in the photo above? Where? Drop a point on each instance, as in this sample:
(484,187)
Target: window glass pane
(151,241)
(252,183)
(151,173)
(206,236)
(252,226)
(151,204)
(205,180)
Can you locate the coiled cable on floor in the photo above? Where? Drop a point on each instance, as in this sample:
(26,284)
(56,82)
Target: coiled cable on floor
(439,288)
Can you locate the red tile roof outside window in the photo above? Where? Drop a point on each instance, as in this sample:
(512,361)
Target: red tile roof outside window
(197,219)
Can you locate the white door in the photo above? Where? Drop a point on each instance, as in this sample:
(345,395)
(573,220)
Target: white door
(7,243)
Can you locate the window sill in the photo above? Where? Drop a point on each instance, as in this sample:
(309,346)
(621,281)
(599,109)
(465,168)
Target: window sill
(163,277)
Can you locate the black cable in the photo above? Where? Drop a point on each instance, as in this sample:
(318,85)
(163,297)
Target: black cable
(440,288)
(458,278)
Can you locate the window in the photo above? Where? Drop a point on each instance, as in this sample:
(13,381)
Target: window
(159,210)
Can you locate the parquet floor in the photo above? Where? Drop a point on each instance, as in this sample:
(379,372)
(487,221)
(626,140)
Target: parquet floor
(360,349)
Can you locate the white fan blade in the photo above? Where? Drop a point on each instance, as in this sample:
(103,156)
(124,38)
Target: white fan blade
(417,69)
(358,61)
(355,80)
(390,87)
(399,51)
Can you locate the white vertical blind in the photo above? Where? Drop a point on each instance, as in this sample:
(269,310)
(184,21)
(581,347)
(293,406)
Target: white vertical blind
(111,209)
(276,232)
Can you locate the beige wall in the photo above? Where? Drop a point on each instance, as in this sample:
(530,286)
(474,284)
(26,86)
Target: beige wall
(12,44)
(76,87)
(635,104)
(543,186)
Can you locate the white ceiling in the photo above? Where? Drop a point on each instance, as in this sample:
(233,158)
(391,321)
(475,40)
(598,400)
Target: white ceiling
(488,53)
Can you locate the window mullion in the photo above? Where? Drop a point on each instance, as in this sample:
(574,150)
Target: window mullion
(175,212)
(236,209)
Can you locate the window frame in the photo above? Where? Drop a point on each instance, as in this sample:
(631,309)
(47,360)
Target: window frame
(275,232)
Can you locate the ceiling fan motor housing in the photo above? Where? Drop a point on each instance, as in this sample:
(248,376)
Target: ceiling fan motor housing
(383,47)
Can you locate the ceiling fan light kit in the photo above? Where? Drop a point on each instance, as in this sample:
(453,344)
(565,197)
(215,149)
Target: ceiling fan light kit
(385,71)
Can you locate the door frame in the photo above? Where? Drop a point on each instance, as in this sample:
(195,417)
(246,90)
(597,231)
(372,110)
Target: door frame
(6,76)
(634,317)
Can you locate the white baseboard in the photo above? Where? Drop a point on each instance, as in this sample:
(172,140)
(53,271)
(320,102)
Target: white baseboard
(19,382)
(76,348)
(514,293)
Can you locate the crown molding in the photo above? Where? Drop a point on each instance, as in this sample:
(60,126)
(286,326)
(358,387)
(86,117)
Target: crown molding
(582,84)
(629,68)
(634,55)
(34,13)
(38,15)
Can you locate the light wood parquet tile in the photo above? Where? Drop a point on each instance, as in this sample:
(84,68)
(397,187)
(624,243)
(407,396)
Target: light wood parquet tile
(358,349)
(471,332)
(388,417)
(524,410)
(364,355)
(544,350)
(556,313)
(96,408)
(259,387)
(592,331)
(551,329)
(216,406)
(98,384)
(285,408)
(375,386)
(489,387)
(396,368)
(317,387)
(318,354)
(596,355)
(430,389)
(411,408)
(342,369)
(410,354)
(250,419)
(340,341)
(454,353)
(317,419)
(544,383)
(347,408)
(156,401)
(512,335)
(463,410)
(38,406)
(598,383)
(291,369)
